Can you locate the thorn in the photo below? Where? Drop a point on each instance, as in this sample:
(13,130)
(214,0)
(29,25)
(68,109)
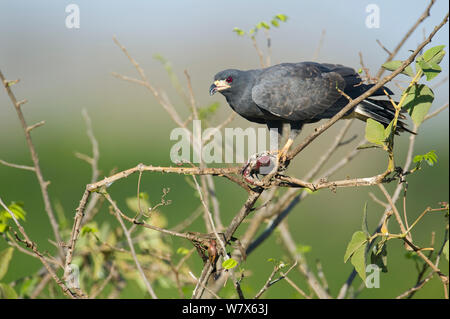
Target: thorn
(11,83)
(84,157)
(21,102)
(32,127)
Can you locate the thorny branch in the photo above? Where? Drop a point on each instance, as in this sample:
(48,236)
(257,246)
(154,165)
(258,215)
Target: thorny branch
(276,210)
(34,157)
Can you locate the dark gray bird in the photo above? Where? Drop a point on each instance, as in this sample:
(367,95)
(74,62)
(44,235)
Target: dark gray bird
(299,93)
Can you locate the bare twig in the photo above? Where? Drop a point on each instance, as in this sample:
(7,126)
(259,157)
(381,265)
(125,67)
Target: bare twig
(424,15)
(37,168)
(93,161)
(417,287)
(222,244)
(44,281)
(291,247)
(378,201)
(318,131)
(39,255)
(25,167)
(268,282)
(369,78)
(259,52)
(203,286)
(433,114)
(32,127)
(215,203)
(232,227)
(106,281)
(319,46)
(394,208)
(161,97)
(269,47)
(321,276)
(383,47)
(131,245)
(271,282)
(188,220)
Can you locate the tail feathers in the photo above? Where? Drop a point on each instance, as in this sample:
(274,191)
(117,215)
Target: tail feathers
(380,111)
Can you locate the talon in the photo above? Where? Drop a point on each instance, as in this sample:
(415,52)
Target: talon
(282,154)
(281,157)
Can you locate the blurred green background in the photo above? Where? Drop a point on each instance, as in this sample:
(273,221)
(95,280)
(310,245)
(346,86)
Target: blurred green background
(65,70)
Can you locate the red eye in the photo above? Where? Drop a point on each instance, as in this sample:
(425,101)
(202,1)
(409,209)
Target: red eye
(229,79)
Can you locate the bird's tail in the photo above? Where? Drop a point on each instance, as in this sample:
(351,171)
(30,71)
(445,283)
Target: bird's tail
(381,111)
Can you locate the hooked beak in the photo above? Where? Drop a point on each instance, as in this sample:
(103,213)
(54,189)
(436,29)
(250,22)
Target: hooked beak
(212,89)
(218,85)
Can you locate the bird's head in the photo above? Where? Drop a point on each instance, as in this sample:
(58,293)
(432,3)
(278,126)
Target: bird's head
(224,81)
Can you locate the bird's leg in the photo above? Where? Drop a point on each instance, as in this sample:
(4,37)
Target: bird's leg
(282,154)
(295,130)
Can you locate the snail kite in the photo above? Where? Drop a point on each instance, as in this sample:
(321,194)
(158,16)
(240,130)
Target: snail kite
(299,93)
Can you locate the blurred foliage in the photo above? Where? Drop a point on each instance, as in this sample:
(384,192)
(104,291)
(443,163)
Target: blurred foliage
(417,99)
(102,252)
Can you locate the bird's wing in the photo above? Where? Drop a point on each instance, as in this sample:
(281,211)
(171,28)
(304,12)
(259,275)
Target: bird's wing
(298,92)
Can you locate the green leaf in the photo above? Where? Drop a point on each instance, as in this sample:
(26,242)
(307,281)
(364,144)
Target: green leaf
(3,227)
(434,54)
(7,292)
(172,75)
(359,261)
(11,83)
(239,32)
(133,204)
(379,255)
(418,101)
(143,195)
(17,209)
(5,258)
(375,132)
(445,250)
(388,130)
(437,58)
(412,255)
(431,70)
(357,241)
(365,226)
(28,286)
(182,251)
(206,112)
(408,71)
(88,229)
(229,263)
(394,65)
(303,249)
(430,158)
(281,17)
(275,23)
(265,25)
